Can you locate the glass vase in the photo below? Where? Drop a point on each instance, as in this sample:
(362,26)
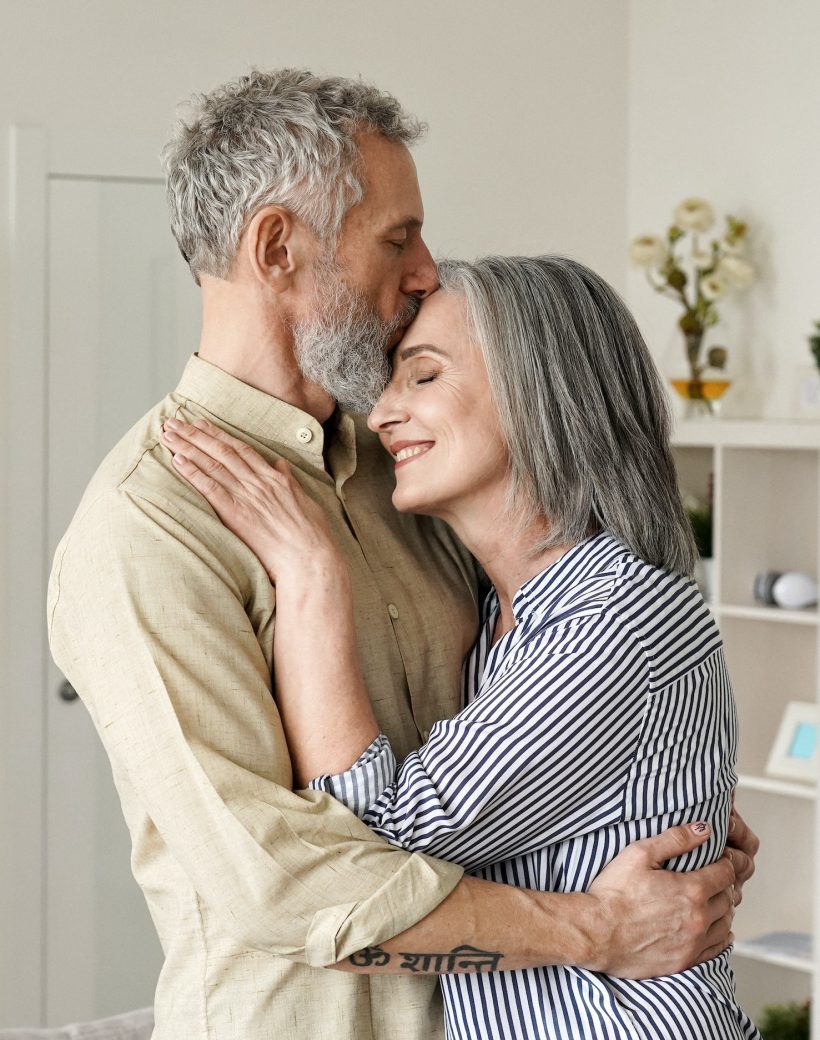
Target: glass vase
(702,396)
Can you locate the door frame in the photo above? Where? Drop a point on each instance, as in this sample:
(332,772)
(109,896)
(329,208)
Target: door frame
(29,977)
(23,587)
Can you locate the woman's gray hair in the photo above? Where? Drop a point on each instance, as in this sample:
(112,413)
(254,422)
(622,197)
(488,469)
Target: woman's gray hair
(271,138)
(581,405)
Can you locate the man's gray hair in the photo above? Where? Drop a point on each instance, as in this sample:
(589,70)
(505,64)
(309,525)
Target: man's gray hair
(582,407)
(271,138)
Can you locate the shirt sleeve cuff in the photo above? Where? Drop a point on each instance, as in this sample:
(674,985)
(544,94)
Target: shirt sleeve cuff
(360,786)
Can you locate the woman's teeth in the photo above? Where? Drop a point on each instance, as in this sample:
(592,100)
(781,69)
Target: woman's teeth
(408,453)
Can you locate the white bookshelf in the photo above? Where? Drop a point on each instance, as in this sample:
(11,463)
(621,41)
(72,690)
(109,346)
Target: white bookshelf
(766,480)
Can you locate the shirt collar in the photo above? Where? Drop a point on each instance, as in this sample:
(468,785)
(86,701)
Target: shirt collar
(274,423)
(593,559)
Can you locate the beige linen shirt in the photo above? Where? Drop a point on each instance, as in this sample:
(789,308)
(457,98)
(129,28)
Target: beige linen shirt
(163,621)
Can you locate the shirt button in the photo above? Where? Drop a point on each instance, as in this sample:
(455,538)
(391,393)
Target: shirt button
(425,736)
(393,611)
(304,435)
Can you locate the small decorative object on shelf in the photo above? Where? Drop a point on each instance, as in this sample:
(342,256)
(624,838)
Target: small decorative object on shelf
(795,753)
(792,590)
(814,343)
(697,274)
(785,1022)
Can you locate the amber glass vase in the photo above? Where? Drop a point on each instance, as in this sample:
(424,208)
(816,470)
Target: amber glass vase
(702,396)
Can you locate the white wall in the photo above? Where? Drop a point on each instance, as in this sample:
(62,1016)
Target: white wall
(527,152)
(724,102)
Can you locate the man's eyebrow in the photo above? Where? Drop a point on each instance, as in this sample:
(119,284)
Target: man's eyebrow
(408,224)
(405,353)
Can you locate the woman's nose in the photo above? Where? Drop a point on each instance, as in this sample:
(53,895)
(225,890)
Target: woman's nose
(386,411)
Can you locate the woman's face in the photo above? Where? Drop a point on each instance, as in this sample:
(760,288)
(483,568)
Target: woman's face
(437,417)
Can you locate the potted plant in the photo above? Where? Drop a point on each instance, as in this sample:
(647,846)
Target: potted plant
(814,343)
(700,517)
(696,273)
(785,1022)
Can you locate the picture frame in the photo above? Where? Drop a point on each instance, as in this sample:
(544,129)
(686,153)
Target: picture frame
(795,754)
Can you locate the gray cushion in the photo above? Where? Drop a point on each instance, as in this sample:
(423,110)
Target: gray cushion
(136,1025)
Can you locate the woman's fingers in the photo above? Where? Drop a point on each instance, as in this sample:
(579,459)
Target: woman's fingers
(216,494)
(238,457)
(216,470)
(262,504)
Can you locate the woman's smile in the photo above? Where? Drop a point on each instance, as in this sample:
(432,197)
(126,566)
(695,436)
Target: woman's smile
(406,451)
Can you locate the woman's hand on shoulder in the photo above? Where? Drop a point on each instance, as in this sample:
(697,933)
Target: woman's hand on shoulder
(263,505)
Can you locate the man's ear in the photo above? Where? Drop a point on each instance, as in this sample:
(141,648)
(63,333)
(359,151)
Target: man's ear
(273,241)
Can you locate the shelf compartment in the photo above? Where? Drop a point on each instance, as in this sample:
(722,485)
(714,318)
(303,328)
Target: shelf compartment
(768,517)
(769,665)
(695,467)
(780,897)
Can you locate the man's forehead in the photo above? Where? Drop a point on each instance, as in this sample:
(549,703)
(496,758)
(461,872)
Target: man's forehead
(389,176)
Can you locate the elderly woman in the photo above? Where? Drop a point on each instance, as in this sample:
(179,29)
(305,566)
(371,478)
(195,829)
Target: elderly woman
(525,411)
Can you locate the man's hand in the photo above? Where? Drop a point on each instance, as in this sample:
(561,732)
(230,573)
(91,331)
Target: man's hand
(742,848)
(658,922)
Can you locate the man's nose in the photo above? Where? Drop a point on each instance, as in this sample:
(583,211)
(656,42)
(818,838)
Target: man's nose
(421,277)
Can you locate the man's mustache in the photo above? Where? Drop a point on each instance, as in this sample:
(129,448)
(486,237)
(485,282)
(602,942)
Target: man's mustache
(407,313)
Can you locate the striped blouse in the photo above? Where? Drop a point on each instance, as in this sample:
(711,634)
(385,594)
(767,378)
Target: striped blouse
(604,716)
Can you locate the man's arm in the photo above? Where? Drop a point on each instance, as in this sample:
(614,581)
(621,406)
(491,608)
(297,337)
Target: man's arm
(637,921)
(149,616)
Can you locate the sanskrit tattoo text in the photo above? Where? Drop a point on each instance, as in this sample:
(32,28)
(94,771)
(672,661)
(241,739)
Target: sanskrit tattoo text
(461,959)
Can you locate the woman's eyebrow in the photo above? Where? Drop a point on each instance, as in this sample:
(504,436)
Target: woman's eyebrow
(405,353)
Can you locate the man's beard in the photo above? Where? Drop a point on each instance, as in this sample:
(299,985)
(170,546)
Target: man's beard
(343,346)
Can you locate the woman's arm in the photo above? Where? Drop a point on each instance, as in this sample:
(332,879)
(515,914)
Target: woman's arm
(321,696)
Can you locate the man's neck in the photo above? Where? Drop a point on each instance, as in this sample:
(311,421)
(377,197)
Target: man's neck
(238,337)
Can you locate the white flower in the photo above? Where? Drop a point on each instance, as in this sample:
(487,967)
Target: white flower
(732,247)
(713,287)
(702,259)
(648,251)
(694,215)
(739,272)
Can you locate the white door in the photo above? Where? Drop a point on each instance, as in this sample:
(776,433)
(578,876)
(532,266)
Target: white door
(123,316)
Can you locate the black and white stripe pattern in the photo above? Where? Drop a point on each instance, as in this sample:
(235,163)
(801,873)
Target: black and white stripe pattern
(604,716)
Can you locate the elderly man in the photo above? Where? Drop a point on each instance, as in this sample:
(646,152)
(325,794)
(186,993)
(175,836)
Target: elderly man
(295,201)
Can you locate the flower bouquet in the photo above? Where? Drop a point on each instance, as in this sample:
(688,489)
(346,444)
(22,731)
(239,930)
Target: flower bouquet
(696,273)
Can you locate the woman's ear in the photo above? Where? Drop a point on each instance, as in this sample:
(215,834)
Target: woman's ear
(272,242)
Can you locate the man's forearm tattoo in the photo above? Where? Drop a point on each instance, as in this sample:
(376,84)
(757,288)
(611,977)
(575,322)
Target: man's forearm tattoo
(372,957)
(460,959)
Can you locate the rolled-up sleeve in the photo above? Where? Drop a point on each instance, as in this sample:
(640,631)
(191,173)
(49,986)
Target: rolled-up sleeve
(360,786)
(149,619)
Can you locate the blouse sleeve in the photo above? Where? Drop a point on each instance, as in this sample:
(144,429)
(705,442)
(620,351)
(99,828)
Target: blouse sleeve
(360,785)
(540,755)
